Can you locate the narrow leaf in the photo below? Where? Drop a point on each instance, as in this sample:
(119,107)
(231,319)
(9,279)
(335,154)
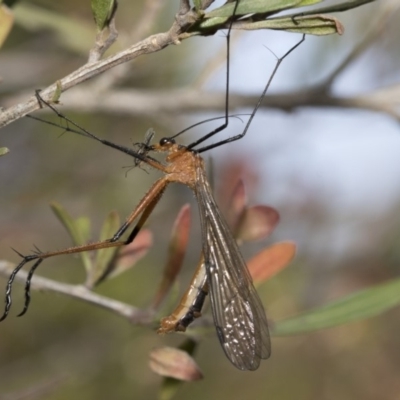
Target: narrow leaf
(82,224)
(252,7)
(257,223)
(270,261)
(215,18)
(364,304)
(197,4)
(305,3)
(347,5)
(110,226)
(312,25)
(104,256)
(57,93)
(77,230)
(176,253)
(174,363)
(103,11)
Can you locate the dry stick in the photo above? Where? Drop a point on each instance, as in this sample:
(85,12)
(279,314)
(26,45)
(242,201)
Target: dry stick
(188,100)
(133,314)
(149,45)
(104,40)
(169,103)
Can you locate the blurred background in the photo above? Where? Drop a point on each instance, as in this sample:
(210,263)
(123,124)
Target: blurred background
(331,172)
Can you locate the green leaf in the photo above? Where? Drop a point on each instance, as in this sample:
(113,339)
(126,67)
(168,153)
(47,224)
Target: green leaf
(220,15)
(252,7)
(110,226)
(364,304)
(111,262)
(312,25)
(104,256)
(103,11)
(347,5)
(304,3)
(57,93)
(83,226)
(197,4)
(78,230)
(308,22)
(3,151)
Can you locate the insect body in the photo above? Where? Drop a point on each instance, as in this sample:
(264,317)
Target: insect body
(238,313)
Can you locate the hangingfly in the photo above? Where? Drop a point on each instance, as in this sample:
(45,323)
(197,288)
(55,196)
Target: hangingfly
(238,313)
(239,316)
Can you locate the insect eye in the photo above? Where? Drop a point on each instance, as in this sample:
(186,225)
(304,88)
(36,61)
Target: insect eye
(166,140)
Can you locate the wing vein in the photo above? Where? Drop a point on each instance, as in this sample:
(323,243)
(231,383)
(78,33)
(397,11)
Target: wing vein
(238,313)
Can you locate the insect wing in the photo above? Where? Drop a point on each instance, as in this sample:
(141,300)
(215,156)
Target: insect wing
(238,313)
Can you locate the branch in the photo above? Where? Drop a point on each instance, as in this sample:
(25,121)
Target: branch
(181,101)
(133,314)
(150,13)
(149,45)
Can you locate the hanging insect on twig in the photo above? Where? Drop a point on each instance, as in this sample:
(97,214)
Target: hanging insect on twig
(238,313)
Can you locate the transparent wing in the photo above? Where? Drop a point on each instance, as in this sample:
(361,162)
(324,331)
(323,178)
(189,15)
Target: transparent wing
(238,313)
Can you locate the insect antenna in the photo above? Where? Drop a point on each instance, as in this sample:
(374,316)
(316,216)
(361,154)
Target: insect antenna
(205,121)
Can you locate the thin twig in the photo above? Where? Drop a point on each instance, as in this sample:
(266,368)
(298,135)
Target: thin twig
(104,40)
(183,101)
(149,45)
(146,21)
(133,314)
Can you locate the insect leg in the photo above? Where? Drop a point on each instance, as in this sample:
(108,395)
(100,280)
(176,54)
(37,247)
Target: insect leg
(143,209)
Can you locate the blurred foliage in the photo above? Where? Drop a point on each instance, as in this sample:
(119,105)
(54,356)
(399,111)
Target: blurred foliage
(3,151)
(6,22)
